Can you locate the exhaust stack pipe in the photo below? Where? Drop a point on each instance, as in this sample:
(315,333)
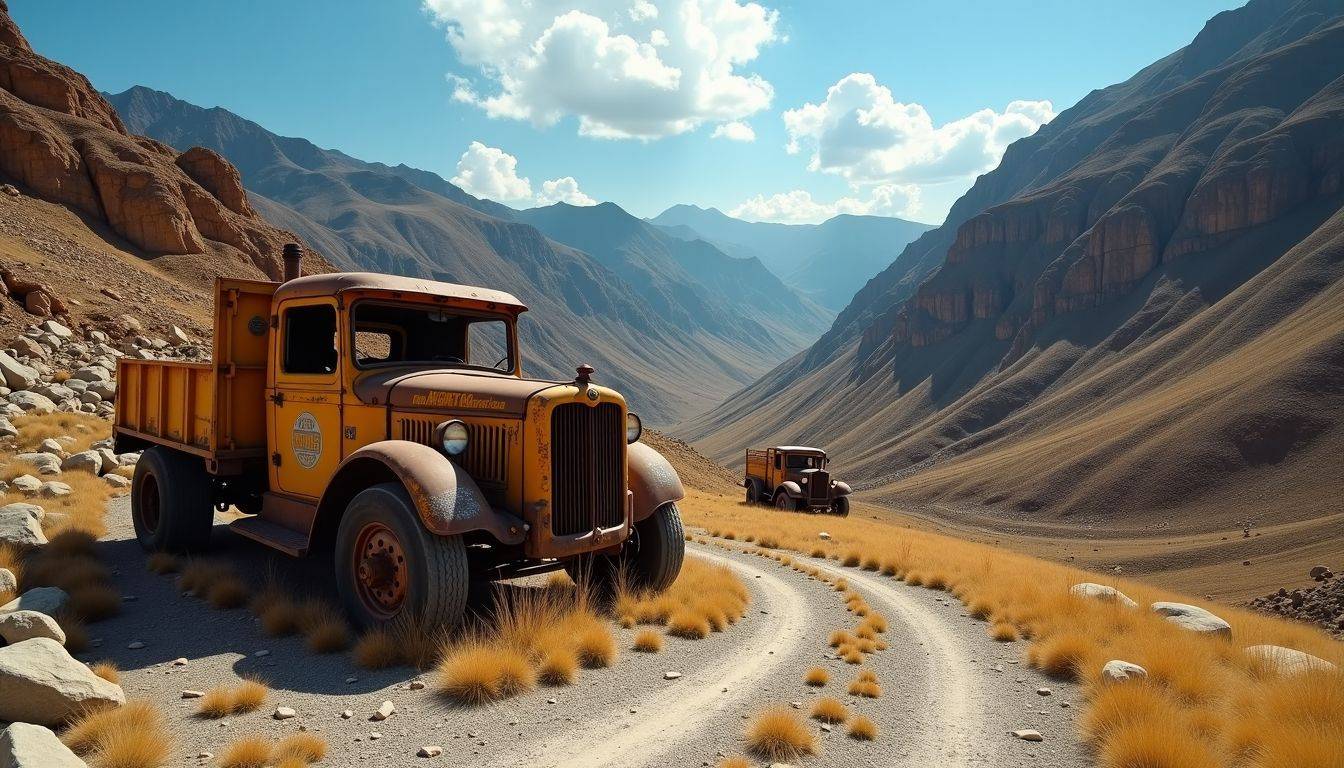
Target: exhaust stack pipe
(292,256)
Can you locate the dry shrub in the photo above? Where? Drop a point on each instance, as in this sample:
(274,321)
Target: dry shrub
(228,592)
(852,559)
(131,736)
(914,578)
(377,649)
(689,625)
(852,656)
(1060,656)
(840,585)
(839,637)
(163,563)
(558,666)
(876,622)
(935,581)
(247,752)
(829,710)
(330,636)
(197,576)
(72,542)
(817,552)
(817,677)
(94,602)
(76,635)
(52,568)
(980,609)
(223,700)
(106,670)
(735,761)
(476,670)
(1159,744)
(705,598)
(871,563)
(863,729)
(303,747)
(648,641)
(868,689)
(1003,632)
(779,735)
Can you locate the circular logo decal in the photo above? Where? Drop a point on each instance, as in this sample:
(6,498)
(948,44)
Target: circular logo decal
(306,440)
(256,326)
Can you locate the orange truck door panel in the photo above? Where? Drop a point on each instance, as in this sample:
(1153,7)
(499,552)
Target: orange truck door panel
(304,402)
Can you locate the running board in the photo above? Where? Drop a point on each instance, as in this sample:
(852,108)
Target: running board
(286,540)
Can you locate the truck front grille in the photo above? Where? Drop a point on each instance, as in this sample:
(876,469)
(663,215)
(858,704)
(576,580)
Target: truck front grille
(587,468)
(486,458)
(820,485)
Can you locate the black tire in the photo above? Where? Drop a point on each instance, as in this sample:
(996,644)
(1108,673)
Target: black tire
(841,506)
(785,502)
(437,578)
(171,505)
(752,497)
(650,560)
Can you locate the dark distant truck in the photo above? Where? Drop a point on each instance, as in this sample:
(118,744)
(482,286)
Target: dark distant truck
(795,478)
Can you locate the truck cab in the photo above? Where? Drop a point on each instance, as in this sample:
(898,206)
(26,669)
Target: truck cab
(794,477)
(388,421)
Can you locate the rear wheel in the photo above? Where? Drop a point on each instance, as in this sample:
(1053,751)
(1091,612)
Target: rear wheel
(388,566)
(841,506)
(784,501)
(752,497)
(171,508)
(650,559)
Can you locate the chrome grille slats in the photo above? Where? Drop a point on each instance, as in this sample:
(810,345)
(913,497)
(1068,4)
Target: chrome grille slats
(587,463)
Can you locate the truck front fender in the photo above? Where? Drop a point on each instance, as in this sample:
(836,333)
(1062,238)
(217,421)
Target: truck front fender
(653,482)
(842,488)
(446,497)
(791,488)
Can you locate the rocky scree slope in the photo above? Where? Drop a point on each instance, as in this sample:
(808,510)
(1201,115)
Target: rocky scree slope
(1134,315)
(670,343)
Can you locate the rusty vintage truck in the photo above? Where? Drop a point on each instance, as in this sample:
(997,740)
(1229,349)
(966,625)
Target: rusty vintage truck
(386,421)
(794,477)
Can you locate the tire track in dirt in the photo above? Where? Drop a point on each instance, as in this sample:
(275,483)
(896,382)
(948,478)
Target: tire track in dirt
(698,700)
(950,686)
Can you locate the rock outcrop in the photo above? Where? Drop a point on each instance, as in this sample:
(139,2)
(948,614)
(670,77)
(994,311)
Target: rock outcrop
(1193,618)
(63,141)
(44,685)
(24,745)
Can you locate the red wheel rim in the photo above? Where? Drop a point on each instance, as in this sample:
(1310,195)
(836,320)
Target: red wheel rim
(379,565)
(149,503)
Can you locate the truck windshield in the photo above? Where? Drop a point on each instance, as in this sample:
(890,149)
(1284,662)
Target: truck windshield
(804,462)
(411,334)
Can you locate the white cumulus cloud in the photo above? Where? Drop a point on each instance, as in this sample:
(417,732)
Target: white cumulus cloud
(734,131)
(798,206)
(563,190)
(492,173)
(645,70)
(861,133)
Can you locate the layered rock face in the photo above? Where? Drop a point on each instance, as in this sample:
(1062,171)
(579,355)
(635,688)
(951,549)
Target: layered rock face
(63,141)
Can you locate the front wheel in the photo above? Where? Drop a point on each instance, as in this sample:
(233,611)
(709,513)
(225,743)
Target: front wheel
(388,566)
(650,559)
(171,507)
(784,502)
(841,506)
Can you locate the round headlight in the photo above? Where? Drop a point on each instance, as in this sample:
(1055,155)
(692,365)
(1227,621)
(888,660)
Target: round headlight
(453,437)
(633,428)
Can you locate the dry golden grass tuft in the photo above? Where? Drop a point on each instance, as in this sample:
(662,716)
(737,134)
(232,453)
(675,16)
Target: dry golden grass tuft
(648,641)
(329,636)
(839,637)
(76,634)
(817,677)
(476,670)
(106,670)
(1213,706)
(852,656)
(227,593)
(377,649)
(863,729)
(687,624)
(734,761)
(558,666)
(705,598)
(163,563)
(223,700)
(94,602)
(829,710)
(852,559)
(247,752)
(779,735)
(302,747)
(131,736)
(868,689)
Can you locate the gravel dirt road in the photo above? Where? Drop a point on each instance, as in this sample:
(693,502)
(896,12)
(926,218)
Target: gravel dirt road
(950,693)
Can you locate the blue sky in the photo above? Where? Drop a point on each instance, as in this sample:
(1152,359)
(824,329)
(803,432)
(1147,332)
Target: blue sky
(543,87)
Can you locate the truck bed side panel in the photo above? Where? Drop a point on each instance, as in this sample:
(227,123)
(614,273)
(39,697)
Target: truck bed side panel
(168,402)
(242,342)
(757,465)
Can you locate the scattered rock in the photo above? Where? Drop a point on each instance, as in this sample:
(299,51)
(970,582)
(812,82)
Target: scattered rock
(8,583)
(671,675)
(347,714)
(1026,734)
(48,600)
(26,483)
(16,375)
(31,402)
(824,536)
(1117,671)
(24,745)
(1102,592)
(20,529)
(17,626)
(53,489)
(45,463)
(45,685)
(136,645)
(1289,661)
(416,685)
(192,694)
(1044,692)
(430,751)
(385,710)
(180,661)
(87,461)
(1193,618)
(284,713)
(117,481)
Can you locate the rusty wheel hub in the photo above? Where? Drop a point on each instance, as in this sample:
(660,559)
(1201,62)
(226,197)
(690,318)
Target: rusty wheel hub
(380,568)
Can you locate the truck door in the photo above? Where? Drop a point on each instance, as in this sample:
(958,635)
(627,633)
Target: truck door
(304,397)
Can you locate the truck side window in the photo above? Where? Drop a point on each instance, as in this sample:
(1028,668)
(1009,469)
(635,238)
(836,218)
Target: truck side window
(310,339)
(777,457)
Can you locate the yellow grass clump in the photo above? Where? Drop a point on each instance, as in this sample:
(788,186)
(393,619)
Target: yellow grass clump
(301,747)
(106,670)
(223,700)
(247,752)
(863,729)
(228,592)
(829,710)
(1203,696)
(377,649)
(734,761)
(779,735)
(817,677)
(131,736)
(705,598)
(478,671)
(648,641)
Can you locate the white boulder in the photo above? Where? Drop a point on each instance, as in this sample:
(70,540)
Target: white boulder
(8,582)
(16,375)
(48,600)
(46,685)
(31,402)
(1102,592)
(1117,671)
(1289,661)
(21,530)
(46,463)
(26,483)
(1193,618)
(86,461)
(24,745)
(17,626)
(54,489)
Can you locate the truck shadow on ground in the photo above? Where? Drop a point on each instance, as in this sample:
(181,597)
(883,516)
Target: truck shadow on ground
(172,624)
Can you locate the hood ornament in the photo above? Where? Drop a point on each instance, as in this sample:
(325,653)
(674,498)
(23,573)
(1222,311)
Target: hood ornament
(585,372)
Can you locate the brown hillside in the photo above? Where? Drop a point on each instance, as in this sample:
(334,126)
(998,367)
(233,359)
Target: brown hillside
(1138,333)
(62,142)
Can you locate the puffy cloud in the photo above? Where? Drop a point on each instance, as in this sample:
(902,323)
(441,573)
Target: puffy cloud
(798,207)
(734,131)
(563,190)
(645,70)
(861,133)
(492,173)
